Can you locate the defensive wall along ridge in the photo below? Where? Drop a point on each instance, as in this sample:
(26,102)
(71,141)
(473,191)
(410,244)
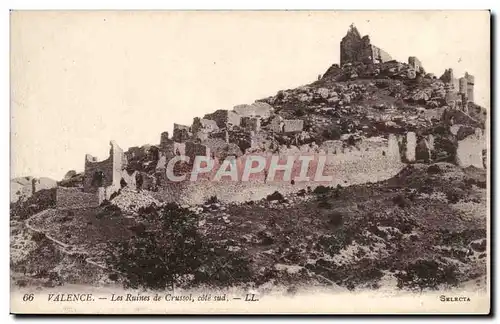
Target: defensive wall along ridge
(368,160)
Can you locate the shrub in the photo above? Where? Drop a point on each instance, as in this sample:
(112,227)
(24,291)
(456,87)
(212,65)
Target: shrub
(138,229)
(105,203)
(335,219)
(400,201)
(382,84)
(148,211)
(109,210)
(115,194)
(38,237)
(40,200)
(266,238)
(332,244)
(212,200)
(333,133)
(433,169)
(123,183)
(299,112)
(424,274)
(301,193)
(21,283)
(321,189)
(454,195)
(479,183)
(65,218)
(479,247)
(275,196)
(181,255)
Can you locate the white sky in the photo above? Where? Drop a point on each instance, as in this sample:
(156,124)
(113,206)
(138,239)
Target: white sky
(80,79)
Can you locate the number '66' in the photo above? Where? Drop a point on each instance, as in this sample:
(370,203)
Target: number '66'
(28,297)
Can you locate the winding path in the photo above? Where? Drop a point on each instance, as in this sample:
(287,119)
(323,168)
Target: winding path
(63,247)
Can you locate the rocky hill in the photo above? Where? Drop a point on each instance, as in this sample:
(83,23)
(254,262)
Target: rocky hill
(350,102)
(372,99)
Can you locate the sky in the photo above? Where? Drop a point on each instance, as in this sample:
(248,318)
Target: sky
(81,79)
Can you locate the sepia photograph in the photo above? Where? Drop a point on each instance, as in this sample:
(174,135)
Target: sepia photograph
(250,162)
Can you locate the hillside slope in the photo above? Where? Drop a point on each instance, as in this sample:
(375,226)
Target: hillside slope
(423,229)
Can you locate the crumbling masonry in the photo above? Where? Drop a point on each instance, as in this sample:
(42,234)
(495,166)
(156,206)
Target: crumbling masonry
(460,90)
(103,177)
(357,49)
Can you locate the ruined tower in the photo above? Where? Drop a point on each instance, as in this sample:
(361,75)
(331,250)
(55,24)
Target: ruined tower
(357,49)
(103,177)
(448,77)
(415,64)
(466,87)
(470,86)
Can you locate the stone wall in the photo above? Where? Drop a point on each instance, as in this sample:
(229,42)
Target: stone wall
(233,119)
(74,198)
(180,148)
(470,86)
(136,152)
(165,141)
(462,85)
(250,123)
(181,133)
(260,109)
(196,149)
(286,126)
(293,125)
(372,160)
(277,124)
(466,86)
(224,118)
(470,150)
(379,55)
(204,125)
(447,76)
(455,116)
(104,174)
(415,64)
(411,145)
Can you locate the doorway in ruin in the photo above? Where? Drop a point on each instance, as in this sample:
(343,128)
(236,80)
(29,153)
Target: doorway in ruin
(98,179)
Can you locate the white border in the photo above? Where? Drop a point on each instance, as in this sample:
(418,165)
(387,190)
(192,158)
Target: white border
(190,5)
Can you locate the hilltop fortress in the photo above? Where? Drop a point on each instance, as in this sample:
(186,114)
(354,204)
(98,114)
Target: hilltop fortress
(360,147)
(355,49)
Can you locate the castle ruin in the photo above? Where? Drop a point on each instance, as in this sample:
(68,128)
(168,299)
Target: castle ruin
(357,49)
(104,177)
(459,91)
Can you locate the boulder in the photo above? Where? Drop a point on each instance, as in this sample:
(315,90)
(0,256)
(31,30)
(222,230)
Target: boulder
(303,97)
(323,93)
(411,74)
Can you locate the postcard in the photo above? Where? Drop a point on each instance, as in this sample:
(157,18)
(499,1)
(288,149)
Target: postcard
(250,162)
